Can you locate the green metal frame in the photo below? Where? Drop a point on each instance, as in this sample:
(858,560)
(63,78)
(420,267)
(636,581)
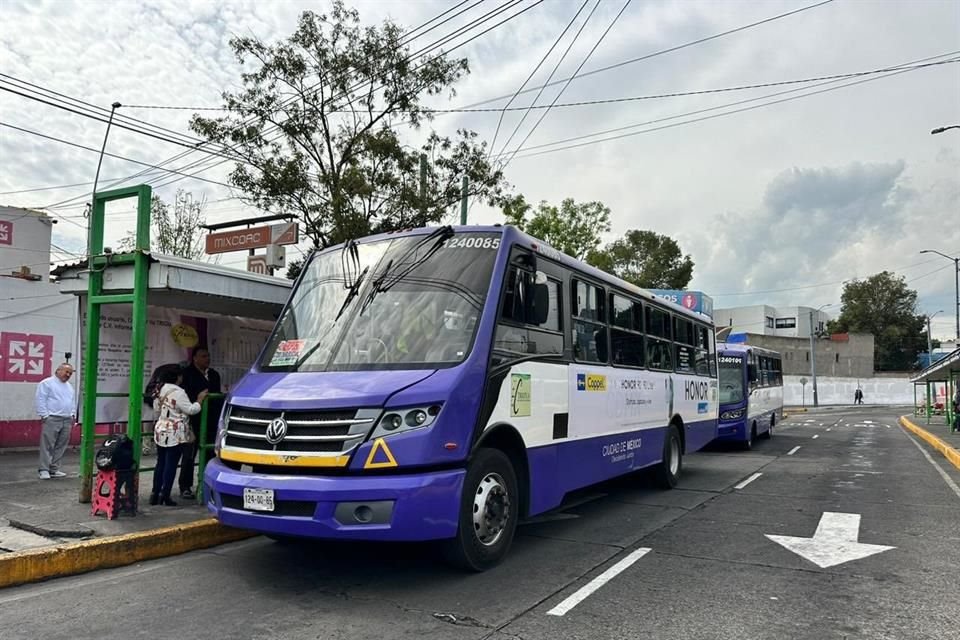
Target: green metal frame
(98,261)
(202,445)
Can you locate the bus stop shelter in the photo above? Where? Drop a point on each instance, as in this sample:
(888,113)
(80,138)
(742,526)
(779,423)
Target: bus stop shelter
(941,375)
(140,308)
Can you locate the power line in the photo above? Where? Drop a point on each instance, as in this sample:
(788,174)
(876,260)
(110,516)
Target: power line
(503,111)
(715,108)
(107,153)
(564,87)
(495,26)
(661,52)
(247,122)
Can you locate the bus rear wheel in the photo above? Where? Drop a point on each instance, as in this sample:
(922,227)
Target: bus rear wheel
(769,432)
(488,513)
(668,471)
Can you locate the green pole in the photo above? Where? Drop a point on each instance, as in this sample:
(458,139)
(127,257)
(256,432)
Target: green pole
(91,357)
(463,200)
(138,338)
(202,446)
(929,405)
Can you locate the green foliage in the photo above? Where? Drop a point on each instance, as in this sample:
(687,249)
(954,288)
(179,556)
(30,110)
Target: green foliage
(647,259)
(314,125)
(294,267)
(571,228)
(176,232)
(884,306)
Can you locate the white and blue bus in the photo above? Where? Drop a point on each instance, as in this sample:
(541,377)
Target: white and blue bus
(442,384)
(751,393)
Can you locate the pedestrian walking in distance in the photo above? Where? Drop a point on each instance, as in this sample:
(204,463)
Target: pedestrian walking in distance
(55,405)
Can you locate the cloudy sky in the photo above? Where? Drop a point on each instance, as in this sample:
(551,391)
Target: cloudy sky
(778,204)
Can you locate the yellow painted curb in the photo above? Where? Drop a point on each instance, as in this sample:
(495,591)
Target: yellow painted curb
(34,565)
(949,452)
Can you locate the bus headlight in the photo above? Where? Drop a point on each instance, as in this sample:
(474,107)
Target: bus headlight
(732,415)
(400,420)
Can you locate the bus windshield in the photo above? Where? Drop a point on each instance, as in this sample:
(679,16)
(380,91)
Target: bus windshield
(731,379)
(400,303)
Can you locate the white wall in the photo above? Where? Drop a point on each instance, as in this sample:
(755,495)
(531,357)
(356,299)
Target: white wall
(37,309)
(889,391)
(25,241)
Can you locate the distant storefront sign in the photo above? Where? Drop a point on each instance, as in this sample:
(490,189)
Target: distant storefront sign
(253,238)
(693,300)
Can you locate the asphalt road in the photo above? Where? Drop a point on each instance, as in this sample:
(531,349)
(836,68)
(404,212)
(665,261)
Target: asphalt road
(710,572)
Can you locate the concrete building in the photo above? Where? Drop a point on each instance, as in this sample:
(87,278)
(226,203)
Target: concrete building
(766,320)
(25,243)
(842,355)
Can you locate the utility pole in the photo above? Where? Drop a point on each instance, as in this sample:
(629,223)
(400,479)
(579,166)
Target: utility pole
(956,281)
(463,200)
(423,188)
(813,360)
(96,177)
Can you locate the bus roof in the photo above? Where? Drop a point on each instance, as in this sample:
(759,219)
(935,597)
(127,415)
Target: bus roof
(739,347)
(513,234)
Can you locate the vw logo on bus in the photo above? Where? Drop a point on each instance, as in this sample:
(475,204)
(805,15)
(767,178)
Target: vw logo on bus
(276,430)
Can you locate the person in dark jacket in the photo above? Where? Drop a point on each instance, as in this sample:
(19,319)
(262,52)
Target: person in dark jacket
(199,377)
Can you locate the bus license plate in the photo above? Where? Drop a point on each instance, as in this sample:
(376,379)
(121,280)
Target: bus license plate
(258,499)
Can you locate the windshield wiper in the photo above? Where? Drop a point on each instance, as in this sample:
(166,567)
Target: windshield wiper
(387,278)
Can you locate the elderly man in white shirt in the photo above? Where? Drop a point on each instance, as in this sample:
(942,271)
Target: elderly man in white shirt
(55,406)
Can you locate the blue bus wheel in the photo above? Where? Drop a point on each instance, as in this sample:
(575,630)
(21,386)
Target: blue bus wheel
(489,508)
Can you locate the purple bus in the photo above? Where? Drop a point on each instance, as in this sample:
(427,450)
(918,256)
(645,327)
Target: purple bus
(751,393)
(444,383)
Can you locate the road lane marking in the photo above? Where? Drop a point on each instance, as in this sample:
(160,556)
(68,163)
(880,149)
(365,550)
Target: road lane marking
(584,592)
(748,481)
(816,436)
(835,541)
(943,474)
(829,429)
(793,451)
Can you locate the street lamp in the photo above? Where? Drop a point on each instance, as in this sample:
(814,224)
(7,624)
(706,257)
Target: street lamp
(929,340)
(96,177)
(942,129)
(813,352)
(956,280)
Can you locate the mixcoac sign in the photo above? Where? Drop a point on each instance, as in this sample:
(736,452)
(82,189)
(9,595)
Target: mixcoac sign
(693,300)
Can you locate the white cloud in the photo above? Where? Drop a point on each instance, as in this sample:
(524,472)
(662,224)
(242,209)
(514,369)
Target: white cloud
(838,185)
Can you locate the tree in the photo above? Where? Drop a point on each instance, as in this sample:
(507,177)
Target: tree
(315,130)
(647,259)
(177,232)
(571,228)
(884,306)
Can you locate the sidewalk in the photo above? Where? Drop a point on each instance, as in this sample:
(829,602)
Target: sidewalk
(938,434)
(42,519)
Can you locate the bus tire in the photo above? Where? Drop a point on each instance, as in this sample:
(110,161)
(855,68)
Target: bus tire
(489,510)
(668,471)
(748,443)
(769,432)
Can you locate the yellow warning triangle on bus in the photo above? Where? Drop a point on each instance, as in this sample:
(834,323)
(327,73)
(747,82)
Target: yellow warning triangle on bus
(384,461)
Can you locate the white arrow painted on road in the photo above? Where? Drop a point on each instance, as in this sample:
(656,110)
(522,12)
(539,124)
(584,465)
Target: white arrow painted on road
(834,542)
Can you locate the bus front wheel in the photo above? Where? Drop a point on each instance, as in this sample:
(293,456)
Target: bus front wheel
(488,513)
(668,471)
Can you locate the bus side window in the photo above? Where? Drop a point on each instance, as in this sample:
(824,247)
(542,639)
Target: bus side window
(589,332)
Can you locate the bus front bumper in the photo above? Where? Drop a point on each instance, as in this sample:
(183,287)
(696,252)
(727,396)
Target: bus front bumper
(408,507)
(732,430)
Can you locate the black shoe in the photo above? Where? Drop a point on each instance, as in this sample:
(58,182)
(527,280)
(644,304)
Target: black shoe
(187,494)
(167,502)
(154,499)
